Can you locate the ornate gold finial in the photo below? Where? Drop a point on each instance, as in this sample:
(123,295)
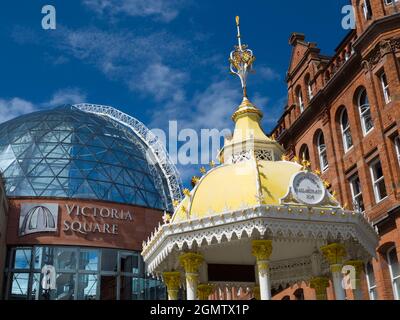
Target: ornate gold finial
(212,164)
(241,60)
(203,170)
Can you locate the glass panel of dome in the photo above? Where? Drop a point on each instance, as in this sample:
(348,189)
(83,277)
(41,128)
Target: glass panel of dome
(46,148)
(64,183)
(20,148)
(84,190)
(41,169)
(6,158)
(32,152)
(57,166)
(62,135)
(74,171)
(98,174)
(26,137)
(54,189)
(100,188)
(14,170)
(24,187)
(96,142)
(49,137)
(114,193)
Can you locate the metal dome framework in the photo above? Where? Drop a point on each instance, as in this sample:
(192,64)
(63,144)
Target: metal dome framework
(67,152)
(159,154)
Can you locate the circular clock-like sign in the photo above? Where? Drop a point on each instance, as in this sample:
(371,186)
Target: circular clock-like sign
(308,188)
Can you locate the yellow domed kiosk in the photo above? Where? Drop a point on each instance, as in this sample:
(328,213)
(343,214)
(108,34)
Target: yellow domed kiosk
(257,221)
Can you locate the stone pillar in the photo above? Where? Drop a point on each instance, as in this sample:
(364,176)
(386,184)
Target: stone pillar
(356,287)
(172,280)
(204,291)
(228,290)
(191,262)
(262,250)
(334,254)
(320,284)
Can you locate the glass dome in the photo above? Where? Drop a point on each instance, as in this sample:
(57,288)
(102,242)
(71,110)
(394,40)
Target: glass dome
(69,153)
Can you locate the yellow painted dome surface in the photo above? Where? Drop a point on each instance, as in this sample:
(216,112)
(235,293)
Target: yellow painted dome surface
(233,187)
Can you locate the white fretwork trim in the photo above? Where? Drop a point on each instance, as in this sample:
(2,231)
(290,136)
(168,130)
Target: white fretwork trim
(276,222)
(292,271)
(246,155)
(159,153)
(266,155)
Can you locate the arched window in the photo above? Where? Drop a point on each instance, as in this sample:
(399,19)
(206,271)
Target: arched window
(286,298)
(304,153)
(346,132)
(394,269)
(365,111)
(300,100)
(308,83)
(323,158)
(367,10)
(369,272)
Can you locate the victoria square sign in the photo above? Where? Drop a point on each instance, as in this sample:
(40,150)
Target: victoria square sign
(80,219)
(97,214)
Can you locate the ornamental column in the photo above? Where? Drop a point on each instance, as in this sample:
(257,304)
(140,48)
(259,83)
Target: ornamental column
(262,250)
(204,291)
(172,280)
(256,293)
(356,286)
(320,284)
(335,253)
(191,262)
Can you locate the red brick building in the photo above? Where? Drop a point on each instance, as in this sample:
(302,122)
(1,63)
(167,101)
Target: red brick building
(343,113)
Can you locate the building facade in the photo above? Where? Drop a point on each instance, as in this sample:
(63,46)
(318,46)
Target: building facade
(343,114)
(3,230)
(83,196)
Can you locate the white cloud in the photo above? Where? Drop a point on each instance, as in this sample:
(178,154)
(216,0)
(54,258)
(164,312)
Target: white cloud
(67,96)
(162,82)
(164,10)
(267,73)
(15,107)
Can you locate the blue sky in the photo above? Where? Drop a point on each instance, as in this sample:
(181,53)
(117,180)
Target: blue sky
(156,60)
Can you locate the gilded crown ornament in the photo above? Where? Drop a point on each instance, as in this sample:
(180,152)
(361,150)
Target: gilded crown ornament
(241,59)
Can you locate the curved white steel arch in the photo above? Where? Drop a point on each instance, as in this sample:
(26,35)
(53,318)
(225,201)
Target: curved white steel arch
(152,142)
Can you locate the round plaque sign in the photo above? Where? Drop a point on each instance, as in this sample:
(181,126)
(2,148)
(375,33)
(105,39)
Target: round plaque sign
(308,188)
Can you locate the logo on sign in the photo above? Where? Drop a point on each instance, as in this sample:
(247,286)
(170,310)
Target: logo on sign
(308,188)
(36,218)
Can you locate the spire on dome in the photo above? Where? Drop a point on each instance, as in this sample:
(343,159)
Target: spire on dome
(241,60)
